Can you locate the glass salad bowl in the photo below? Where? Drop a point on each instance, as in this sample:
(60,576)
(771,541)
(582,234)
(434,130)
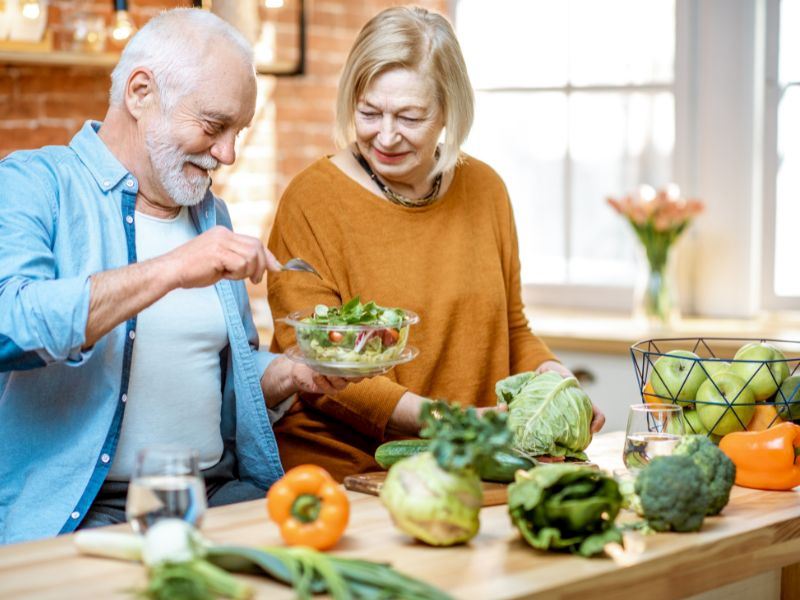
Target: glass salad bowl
(354,340)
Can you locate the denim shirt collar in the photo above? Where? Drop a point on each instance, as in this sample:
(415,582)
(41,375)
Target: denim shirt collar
(106,170)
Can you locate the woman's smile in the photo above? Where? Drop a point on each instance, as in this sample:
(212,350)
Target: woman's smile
(390,158)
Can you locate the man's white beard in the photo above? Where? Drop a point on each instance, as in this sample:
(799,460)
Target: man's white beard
(168,162)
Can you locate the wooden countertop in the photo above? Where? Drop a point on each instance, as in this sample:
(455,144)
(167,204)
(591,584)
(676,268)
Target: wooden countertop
(759,532)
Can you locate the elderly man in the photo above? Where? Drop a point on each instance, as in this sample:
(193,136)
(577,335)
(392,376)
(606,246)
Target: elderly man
(124,320)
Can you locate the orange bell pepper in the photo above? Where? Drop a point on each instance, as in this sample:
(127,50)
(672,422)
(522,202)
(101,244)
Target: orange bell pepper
(765,460)
(309,507)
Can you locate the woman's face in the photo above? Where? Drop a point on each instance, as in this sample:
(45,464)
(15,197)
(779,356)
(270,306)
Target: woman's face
(398,123)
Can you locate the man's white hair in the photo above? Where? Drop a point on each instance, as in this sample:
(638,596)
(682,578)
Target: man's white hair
(173,46)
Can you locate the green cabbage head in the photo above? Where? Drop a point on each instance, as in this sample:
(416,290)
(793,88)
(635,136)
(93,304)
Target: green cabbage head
(548,414)
(433,505)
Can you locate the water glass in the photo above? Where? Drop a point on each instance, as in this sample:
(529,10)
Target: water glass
(166,483)
(653,430)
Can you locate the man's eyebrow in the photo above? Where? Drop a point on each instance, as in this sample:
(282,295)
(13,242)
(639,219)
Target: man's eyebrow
(216,116)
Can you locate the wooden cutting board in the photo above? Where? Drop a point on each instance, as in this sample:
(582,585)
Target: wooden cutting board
(370,483)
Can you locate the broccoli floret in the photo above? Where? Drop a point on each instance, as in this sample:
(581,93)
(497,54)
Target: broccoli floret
(672,490)
(717,468)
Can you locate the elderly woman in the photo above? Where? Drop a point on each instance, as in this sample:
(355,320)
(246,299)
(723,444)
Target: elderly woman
(401,219)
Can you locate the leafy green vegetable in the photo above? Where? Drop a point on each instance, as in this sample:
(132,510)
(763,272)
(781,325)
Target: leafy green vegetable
(718,470)
(436,496)
(354,333)
(313,572)
(182,565)
(673,494)
(355,313)
(193,580)
(460,438)
(548,414)
(565,508)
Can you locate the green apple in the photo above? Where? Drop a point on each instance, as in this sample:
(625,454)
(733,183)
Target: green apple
(692,425)
(677,375)
(714,366)
(787,400)
(763,378)
(725,404)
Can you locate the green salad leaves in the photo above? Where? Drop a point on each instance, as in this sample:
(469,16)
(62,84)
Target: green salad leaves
(354,312)
(354,333)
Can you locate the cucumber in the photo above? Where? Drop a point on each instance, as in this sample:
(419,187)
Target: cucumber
(391,452)
(500,467)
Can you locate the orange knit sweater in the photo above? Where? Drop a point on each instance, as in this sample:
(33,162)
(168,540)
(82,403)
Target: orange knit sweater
(455,263)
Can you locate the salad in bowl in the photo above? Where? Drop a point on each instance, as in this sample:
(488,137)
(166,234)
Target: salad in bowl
(354,339)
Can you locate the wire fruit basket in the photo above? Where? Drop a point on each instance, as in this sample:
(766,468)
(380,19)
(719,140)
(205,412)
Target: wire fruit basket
(723,384)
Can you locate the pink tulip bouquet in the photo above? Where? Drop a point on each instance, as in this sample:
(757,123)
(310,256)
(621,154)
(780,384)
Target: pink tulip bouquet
(658,218)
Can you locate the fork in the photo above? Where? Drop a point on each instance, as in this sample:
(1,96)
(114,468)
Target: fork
(298,264)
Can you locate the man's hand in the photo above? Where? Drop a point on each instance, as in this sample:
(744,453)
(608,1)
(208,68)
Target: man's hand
(118,294)
(285,377)
(219,253)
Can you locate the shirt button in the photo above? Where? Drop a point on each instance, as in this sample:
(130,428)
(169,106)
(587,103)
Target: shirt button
(106,183)
(105,458)
(129,219)
(206,214)
(129,183)
(131,334)
(124,398)
(75,514)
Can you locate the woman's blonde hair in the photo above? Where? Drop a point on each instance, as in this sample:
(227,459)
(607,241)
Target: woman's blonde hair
(416,39)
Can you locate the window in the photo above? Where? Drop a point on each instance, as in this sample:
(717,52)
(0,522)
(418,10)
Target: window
(783,108)
(575,102)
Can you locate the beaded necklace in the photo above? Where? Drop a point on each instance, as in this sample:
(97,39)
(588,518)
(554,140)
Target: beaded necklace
(394,196)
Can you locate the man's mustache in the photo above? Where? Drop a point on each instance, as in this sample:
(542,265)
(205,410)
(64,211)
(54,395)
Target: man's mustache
(204,161)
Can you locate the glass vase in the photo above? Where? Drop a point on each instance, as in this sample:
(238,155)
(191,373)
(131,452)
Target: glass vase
(655,297)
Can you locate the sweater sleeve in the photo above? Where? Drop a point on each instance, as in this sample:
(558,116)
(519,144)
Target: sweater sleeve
(367,405)
(527,351)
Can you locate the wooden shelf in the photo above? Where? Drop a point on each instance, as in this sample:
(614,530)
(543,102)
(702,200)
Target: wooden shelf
(62,58)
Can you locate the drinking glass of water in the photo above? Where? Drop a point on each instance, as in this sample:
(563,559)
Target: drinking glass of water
(166,483)
(653,430)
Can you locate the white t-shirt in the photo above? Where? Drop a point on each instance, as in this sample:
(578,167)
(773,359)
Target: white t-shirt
(174,393)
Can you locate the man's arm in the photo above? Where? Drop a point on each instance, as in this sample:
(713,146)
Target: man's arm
(218,253)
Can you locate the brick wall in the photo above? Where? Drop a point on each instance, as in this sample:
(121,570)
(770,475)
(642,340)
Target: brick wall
(292,128)
(42,105)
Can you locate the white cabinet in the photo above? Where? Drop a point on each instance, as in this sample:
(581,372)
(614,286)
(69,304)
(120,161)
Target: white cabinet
(610,382)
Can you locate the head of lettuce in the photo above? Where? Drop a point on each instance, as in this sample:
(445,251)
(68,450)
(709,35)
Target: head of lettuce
(548,414)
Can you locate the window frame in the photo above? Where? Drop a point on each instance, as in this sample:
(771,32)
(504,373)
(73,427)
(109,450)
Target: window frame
(609,297)
(771,92)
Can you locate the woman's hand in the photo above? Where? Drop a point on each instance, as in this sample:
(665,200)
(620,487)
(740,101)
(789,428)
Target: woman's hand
(285,377)
(598,419)
(555,367)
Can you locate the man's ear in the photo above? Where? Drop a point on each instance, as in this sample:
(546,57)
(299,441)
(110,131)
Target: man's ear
(141,92)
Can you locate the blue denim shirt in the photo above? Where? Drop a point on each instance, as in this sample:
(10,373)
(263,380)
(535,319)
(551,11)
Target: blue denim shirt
(66,213)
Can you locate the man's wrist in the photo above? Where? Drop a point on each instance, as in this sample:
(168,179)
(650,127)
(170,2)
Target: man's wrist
(277,383)
(165,274)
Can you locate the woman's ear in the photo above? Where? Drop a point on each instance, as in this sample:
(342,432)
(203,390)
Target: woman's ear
(140,92)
